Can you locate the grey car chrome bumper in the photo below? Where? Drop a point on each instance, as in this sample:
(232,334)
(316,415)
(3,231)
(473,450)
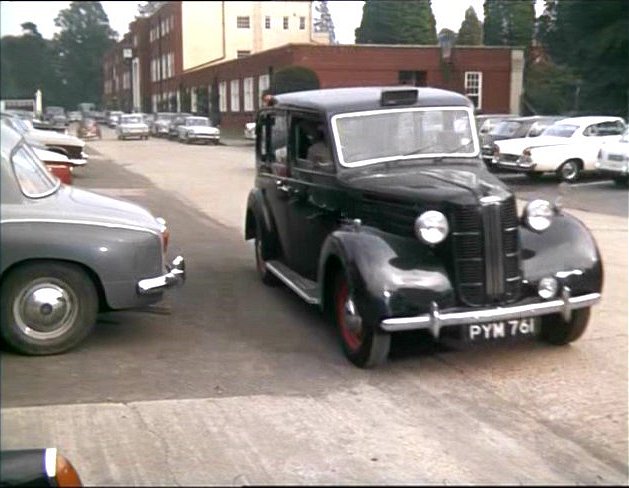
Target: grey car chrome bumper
(176,276)
(435,320)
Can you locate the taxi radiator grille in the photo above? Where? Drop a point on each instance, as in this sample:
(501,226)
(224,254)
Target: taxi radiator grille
(395,217)
(486,253)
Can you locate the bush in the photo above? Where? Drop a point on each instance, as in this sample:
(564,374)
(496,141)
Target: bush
(292,79)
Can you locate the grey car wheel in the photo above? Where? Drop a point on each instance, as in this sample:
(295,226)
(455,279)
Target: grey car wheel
(47,307)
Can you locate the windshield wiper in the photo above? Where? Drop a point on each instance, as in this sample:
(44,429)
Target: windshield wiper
(459,148)
(420,149)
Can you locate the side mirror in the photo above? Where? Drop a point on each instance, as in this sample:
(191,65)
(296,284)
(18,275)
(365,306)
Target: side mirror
(37,467)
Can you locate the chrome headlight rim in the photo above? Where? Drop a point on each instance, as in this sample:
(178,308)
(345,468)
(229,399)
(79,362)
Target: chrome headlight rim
(538,215)
(431,227)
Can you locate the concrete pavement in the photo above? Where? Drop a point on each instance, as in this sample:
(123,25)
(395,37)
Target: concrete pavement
(521,415)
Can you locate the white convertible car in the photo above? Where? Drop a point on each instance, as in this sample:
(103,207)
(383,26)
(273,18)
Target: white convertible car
(567,148)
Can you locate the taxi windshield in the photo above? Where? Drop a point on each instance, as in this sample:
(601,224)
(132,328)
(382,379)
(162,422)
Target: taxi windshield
(376,136)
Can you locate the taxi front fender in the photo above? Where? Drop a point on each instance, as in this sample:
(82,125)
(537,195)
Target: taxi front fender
(389,275)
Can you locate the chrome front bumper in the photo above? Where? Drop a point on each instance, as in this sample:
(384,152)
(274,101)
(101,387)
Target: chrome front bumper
(435,320)
(176,276)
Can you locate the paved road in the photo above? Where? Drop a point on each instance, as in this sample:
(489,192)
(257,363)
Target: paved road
(231,382)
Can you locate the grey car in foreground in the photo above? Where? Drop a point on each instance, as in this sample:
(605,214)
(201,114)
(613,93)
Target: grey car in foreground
(68,254)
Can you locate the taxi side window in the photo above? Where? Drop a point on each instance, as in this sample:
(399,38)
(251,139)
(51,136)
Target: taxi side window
(311,144)
(272,140)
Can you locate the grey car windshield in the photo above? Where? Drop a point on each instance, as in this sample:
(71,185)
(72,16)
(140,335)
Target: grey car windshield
(506,128)
(132,119)
(32,176)
(376,136)
(560,130)
(197,121)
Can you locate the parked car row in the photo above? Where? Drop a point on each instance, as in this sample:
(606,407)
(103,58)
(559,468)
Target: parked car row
(567,147)
(185,127)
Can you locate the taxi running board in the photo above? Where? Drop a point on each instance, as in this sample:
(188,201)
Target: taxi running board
(305,288)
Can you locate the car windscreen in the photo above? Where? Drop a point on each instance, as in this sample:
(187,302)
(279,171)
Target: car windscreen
(506,128)
(376,136)
(34,179)
(197,121)
(560,130)
(134,119)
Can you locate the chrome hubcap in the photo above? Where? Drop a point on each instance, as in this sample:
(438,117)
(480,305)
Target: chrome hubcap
(353,321)
(45,309)
(569,171)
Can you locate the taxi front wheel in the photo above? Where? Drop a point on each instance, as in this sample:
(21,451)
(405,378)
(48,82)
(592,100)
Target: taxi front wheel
(364,344)
(557,331)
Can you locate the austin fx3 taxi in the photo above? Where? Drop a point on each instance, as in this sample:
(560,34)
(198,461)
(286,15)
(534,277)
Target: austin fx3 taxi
(374,204)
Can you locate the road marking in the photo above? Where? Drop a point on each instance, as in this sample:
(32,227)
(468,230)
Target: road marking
(591,183)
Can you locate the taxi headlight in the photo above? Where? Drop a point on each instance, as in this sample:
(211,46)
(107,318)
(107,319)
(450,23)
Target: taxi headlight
(431,227)
(538,215)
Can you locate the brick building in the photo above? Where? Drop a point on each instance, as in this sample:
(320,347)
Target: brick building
(168,38)
(180,71)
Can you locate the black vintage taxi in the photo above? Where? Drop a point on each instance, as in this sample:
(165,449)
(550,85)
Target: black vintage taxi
(374,204)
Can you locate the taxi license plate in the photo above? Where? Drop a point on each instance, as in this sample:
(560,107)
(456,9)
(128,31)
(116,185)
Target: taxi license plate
(502,330)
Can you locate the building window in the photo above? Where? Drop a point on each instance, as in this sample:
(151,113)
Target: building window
(264,81)
(235,95)
(171,56)
(242,22)
(135,41)
(474,87)
(172,22)
(267,22)
(285,23)
(413,78)
(302,23)
(248,91)
(222,96)
(243,54)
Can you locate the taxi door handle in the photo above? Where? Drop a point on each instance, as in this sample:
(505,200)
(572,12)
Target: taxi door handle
(279,184)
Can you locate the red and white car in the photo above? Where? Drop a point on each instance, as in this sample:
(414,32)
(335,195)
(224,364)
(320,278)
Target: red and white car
(567,148)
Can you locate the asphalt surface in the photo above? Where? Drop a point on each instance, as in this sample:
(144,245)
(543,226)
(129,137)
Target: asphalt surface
(231,382)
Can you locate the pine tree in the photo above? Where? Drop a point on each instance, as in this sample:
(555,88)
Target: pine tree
(394,22)
(323,22)
(508,22)
(590,38)
(471,31)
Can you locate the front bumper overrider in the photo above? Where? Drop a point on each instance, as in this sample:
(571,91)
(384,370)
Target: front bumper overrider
(175,276)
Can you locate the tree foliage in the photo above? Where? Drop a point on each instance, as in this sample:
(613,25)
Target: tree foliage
(84,38)
(292,79)
(26,65)
(508,22)
(591,40)
(471,30)
(395,22)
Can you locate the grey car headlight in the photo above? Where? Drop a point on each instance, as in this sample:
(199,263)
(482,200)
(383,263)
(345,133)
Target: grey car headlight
(538,215)
(431,227)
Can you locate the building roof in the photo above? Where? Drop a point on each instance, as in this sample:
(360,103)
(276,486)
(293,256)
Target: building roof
(338,100)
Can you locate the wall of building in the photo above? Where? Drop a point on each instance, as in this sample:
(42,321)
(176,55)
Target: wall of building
(360,65)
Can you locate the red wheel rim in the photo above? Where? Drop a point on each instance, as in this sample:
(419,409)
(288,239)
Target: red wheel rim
(351,337)
(259,260)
